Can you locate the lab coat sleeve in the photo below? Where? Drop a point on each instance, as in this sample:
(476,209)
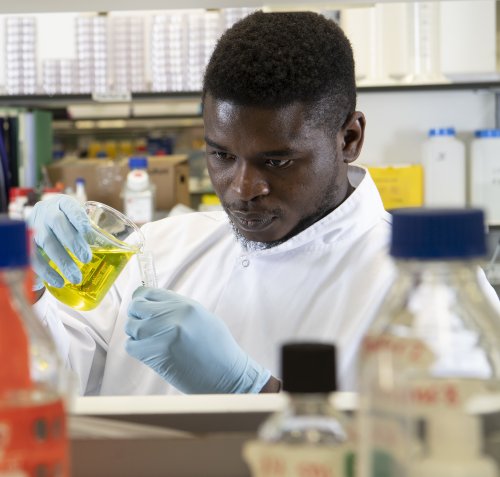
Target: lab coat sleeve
(81,338)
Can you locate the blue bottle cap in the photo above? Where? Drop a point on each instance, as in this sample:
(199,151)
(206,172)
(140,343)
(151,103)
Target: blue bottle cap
(441,132)
(138,163)
(428,233)
(482,133)
(13,243)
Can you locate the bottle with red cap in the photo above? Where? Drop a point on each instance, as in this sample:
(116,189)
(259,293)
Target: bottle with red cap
(33,437)
(18,197)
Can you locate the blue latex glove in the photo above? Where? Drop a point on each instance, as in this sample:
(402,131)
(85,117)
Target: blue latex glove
(189,347)
(57,223)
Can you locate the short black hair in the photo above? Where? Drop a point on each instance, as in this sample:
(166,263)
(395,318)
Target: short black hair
(274,59)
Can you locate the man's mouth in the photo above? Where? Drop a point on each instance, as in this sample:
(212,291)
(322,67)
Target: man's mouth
(251,221)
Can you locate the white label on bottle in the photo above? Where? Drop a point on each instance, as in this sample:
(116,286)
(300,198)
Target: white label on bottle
(267,459)
(139,208)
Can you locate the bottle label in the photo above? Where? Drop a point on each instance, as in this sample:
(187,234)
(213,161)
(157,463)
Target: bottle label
(407,351)
(139,207)
(422,380)
(267,459)
(33,439)
(405,386)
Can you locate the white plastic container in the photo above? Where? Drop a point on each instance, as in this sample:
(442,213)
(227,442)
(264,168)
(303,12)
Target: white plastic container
(443,159)
(485,173)
(138,193)
(80,192)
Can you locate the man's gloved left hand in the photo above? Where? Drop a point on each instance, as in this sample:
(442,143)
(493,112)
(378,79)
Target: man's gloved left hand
(188,346)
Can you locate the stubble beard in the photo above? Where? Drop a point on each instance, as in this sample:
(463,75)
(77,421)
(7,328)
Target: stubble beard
(323,208)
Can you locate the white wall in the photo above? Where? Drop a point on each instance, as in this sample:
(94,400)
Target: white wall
(398,122)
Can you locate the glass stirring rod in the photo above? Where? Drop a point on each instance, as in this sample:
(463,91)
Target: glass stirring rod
(147,268)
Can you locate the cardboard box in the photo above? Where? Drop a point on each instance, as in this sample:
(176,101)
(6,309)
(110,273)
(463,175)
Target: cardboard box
(399,185)
(170,175)
(105,178)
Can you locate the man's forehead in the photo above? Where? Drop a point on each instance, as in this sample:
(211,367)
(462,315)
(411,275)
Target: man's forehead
(226,110)
(227,103)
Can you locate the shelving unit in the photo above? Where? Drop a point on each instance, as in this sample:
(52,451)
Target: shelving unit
(398,114)
(58,104)
(35,6)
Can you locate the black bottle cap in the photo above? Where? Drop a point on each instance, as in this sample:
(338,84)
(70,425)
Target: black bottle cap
(308,368)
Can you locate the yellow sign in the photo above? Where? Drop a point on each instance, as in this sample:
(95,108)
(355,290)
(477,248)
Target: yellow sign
(399,185)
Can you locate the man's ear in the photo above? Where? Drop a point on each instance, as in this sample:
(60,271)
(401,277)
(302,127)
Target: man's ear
(353,135)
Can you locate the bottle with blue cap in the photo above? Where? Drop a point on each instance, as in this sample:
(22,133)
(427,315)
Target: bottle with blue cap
(33,437)
(443,160)
(138,192)
(485,173)
(80,192)
(433,349)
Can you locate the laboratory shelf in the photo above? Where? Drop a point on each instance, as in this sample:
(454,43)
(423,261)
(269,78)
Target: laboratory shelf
(62,100)
(493,86)
(47,6)
(32,100)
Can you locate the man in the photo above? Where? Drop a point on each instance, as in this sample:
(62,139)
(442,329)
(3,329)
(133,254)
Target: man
(298,253)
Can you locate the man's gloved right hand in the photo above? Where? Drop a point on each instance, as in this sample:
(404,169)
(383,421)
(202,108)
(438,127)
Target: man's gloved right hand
(59,223)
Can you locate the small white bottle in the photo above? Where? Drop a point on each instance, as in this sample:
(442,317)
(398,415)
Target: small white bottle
(454,442)
(18,197)
(485,173)
(138,193)
(80,192)
(443,160)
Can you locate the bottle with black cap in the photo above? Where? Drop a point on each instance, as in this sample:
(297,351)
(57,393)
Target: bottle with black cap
(310,436)
(432,350)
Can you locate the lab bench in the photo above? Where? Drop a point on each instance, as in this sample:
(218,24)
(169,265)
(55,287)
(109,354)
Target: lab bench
(181,436)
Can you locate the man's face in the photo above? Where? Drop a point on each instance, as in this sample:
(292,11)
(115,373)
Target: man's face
(274,172)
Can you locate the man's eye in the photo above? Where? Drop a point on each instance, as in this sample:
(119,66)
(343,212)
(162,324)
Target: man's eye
(221,155)
(279,163)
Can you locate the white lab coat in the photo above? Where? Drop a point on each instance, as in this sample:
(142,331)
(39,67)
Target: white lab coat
(323,284)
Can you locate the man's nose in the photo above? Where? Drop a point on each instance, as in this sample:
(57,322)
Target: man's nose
(248,182)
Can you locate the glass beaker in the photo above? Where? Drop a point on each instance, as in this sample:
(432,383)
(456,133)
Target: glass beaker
(110,254)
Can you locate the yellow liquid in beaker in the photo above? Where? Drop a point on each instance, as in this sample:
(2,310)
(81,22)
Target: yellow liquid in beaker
(97,278)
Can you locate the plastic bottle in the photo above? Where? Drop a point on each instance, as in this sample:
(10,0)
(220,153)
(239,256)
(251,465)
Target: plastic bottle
(309,437)
(18,196)
(138,193)
(485,173)
(80,192)
(443,160)
(33,439)
(434,345)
